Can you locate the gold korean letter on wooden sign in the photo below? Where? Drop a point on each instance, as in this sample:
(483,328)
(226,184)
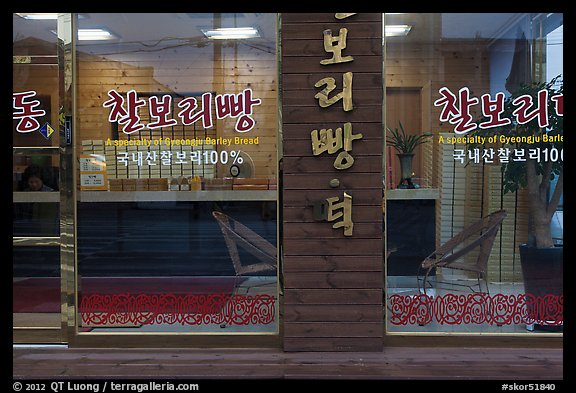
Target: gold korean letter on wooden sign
(345,207)
(345,95)
(336,50)
(344,15)
(331,209)
(327,140)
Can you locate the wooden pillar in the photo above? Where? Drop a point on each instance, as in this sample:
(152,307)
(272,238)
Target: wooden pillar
(333,276)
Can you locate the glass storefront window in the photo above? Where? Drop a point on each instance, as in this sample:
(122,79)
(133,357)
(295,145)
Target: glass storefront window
(175,144)
(36,284)
(177,153)
(489,91)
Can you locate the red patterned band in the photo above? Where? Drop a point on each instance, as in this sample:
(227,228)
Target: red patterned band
(477,308)
(129,310)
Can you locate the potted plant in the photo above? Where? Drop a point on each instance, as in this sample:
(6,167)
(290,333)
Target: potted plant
(405,146)
(540,257)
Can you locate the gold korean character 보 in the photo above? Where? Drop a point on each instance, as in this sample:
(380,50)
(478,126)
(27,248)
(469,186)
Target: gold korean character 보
(336,50)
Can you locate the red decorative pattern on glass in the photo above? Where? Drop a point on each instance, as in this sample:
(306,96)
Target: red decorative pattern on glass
(477,308)
(143,309)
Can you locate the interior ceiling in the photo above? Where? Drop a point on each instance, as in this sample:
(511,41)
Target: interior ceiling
(187,26)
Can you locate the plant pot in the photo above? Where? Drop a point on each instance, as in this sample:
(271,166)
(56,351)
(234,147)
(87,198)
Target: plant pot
(542,269)
(405,170)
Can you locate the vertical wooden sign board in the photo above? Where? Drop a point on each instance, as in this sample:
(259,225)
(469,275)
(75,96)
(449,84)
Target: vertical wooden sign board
(332,184)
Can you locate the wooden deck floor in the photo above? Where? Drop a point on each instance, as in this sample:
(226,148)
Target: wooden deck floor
(401,363)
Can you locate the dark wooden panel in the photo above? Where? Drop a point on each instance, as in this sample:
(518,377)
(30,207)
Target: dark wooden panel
(325,163)
(305,114)
(348,181)
(337,280)
(360,147)
(302,95)
(305,197)
(355,30)
(319,231)
(315,47)
(322,266)
(335,246)
(332,296)
(334,329)
(368,214)
(360,81)
(333,313)
(332,263)
(297,18)
(311,64)
(371,132)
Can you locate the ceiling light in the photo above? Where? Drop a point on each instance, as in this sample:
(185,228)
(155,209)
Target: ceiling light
(94,35)
(232,33)
(396,30)
(44,16)
(38,16)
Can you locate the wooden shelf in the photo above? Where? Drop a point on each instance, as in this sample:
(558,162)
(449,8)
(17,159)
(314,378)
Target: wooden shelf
(36,196)
(179,196)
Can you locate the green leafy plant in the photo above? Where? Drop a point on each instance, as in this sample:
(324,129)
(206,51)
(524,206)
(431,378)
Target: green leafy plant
(403,143)
(534,175)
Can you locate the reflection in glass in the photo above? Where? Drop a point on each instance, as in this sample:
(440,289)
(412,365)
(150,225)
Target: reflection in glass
(468,67)
(173,126)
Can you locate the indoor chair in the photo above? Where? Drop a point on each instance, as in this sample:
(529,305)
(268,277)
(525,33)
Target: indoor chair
(450,255)
(238,236)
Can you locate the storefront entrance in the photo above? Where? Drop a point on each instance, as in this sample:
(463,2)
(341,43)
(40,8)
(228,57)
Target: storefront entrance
(162,226)
(41,159)
(304,181)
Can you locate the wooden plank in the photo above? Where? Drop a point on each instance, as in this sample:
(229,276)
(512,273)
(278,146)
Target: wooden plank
(332,329)
(295,97)
(321,116)
(339,245)
(306,81)
(315,47)
(332,296)
(333,313)
(332,263)
(325,163)
(334,280)
(367,214)
(370,131)
(320,230)
(311,64)
(321,181)
(310,18)
(356,30)
(296,198)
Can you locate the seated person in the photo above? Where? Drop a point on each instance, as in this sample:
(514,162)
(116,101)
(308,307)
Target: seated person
(33,179)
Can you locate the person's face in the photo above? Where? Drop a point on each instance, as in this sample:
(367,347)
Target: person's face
(35,183)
